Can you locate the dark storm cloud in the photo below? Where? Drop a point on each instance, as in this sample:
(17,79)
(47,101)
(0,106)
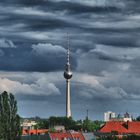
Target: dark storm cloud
(36,58)
(36,18)
(106,57)
(105,50)
(28,2)
(71,7)
(121,41)
(77,8)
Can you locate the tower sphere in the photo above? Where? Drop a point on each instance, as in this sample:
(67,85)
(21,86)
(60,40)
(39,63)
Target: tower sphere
(67,74)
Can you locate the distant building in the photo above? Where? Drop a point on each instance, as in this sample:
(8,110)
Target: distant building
(108,116)
(111,116)
(117,119)
(28,125)
(125,118)
(59,127)
(26,132)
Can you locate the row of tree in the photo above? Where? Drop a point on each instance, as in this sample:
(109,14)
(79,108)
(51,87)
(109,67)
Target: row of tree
(70,124)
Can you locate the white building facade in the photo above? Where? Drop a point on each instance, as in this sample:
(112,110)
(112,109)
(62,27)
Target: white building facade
(127,117)
(28,125)
(109,115)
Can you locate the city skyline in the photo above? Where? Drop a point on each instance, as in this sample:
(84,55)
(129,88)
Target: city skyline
(105,56)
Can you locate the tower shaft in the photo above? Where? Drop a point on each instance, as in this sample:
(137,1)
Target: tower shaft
(68,76)
(68,107)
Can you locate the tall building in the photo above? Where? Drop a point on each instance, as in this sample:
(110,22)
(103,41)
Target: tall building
(108,116)
(68,76)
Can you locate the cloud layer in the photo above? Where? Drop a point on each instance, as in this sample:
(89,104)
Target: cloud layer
(105,54)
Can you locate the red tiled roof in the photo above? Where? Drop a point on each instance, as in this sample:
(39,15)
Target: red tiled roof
(66,135)
(134,127)
(59,135)
(113,126)
(56,135)
(78,135)
(131,127)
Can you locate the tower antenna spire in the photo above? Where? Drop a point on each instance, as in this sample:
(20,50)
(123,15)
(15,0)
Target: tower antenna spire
(68,49)
(87,114)
(68,76)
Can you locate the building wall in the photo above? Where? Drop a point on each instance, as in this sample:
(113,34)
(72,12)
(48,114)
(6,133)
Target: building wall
(28,125)
(59,127)
(108,115)
(127,119)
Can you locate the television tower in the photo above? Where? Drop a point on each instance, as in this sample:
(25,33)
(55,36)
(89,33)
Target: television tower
(68,76)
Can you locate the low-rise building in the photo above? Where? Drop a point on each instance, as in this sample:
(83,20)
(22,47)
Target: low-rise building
(59,127)
(26,132)
(28,125)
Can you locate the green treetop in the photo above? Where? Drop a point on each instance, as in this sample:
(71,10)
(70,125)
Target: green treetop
(9,119)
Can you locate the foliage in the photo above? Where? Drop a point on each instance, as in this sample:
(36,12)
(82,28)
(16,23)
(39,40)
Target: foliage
(88,125)
(69,123)
(52,130)
(91,126)
(43,124)
(9,120)
(109,138)
(138,118)
(129,137)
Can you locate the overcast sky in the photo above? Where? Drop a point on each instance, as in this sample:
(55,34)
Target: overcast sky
(105,55)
